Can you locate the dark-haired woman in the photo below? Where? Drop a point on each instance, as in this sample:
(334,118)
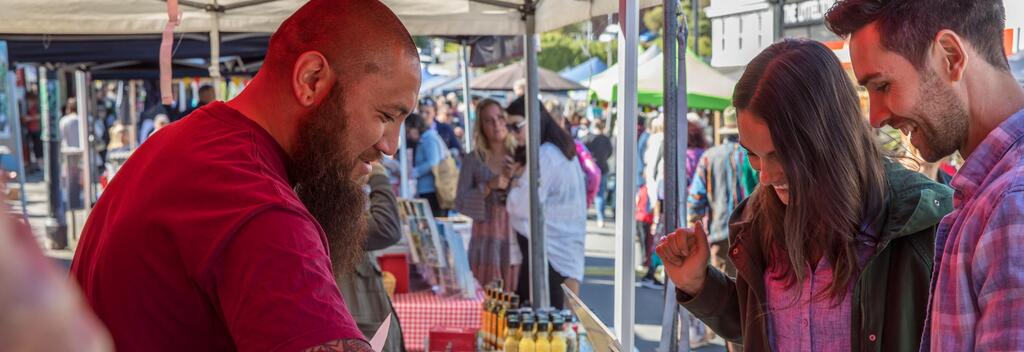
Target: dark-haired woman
(834,248)
(482,191)
(563,194)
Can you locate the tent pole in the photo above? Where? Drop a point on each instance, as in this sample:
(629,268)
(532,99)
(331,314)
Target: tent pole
(625,170)
(82,99)
(467,126)
(675,177)
(56,226)
(403,187)
(133,114)
(215,53)
(539,289)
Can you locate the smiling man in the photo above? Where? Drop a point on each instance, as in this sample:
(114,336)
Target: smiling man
(216,234)
(936,70)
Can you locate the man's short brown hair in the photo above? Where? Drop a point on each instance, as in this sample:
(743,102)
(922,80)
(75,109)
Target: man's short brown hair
(908,27)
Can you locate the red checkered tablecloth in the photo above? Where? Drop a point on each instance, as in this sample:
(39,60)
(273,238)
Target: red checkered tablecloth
(421,311)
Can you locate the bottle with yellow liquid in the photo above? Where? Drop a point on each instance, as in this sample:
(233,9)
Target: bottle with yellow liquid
(543,341)
(526,342)
(559,343)
(512,334)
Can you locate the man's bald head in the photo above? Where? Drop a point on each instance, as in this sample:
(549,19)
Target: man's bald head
(356,36)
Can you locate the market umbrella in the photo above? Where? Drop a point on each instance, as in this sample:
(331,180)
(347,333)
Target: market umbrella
(504,78)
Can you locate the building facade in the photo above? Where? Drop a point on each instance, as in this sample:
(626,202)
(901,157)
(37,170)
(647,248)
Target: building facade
(740,29)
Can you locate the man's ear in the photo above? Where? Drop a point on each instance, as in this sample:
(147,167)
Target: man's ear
(952,55)
(311,79)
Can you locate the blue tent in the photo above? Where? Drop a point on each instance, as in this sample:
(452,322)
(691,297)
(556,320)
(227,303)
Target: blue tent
(584,71)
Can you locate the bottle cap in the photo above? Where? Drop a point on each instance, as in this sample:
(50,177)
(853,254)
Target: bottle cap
(512,320)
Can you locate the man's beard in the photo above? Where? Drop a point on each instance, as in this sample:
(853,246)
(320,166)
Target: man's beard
(321,171)
(944,119)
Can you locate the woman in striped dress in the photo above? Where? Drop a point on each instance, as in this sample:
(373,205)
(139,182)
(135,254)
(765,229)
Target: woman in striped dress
(482,190)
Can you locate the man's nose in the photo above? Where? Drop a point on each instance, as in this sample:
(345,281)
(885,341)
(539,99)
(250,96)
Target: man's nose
(879,113)
(388,143)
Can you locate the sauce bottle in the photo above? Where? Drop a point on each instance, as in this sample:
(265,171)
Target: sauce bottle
(512,334)
(526,343)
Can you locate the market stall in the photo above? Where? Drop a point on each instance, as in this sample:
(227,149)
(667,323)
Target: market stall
(421,17)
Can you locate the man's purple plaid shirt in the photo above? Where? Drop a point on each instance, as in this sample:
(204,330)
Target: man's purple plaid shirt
(977,300)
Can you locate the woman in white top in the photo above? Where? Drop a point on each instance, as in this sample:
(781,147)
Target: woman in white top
(562,191)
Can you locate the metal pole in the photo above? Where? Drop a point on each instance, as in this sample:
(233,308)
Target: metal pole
(778,16)
(675,42)
(538,253)
(133,115)
(215,52)
(669,323)
(682,130)
(403,169)
(467,126)
(56,226)
(82,94)
(625,169)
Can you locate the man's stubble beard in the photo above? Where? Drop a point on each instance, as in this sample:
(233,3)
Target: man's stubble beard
(945,120)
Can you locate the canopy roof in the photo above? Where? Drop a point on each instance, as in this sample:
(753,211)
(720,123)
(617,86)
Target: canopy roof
(137,47)
(504,78)
(705,87)
(585,70)
(421,17)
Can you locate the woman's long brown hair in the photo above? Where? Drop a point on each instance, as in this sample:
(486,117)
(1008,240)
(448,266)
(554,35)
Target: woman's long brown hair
(829,155)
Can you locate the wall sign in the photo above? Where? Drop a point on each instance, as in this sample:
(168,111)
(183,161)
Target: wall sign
(806,12)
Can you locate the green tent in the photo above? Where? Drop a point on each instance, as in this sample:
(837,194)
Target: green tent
(706,88)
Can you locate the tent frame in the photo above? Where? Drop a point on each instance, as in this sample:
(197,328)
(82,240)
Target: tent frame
(625,276)
(673,323)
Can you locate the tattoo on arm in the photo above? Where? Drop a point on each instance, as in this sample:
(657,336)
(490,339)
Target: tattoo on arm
(341,345)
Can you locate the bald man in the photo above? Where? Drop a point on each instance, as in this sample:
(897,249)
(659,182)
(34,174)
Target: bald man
(216,234)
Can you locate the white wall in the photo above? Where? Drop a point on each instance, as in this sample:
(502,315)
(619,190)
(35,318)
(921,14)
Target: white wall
(742,28)
(739,30)
(1014,13)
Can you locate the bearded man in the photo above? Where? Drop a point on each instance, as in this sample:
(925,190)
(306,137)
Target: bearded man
(217,234)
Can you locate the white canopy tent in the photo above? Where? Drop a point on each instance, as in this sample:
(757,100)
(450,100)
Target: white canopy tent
(704,83)
(421,17)
(603,83)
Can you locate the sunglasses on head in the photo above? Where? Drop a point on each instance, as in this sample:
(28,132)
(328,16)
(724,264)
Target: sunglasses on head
(515,126)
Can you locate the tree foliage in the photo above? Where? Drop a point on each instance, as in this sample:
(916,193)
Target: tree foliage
(568,47)
(653,21)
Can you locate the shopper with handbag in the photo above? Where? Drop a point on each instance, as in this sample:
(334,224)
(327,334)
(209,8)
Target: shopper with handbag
(482,193)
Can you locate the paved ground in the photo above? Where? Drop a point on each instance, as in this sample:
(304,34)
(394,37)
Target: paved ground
(597,290)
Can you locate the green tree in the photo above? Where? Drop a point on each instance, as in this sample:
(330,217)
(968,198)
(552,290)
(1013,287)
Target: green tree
(569,47)
(654,21)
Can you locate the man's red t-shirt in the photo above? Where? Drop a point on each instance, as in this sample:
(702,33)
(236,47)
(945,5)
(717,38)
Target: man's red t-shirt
(200,244)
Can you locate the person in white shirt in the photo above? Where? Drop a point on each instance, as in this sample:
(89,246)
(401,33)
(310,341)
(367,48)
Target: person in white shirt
(562,191)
